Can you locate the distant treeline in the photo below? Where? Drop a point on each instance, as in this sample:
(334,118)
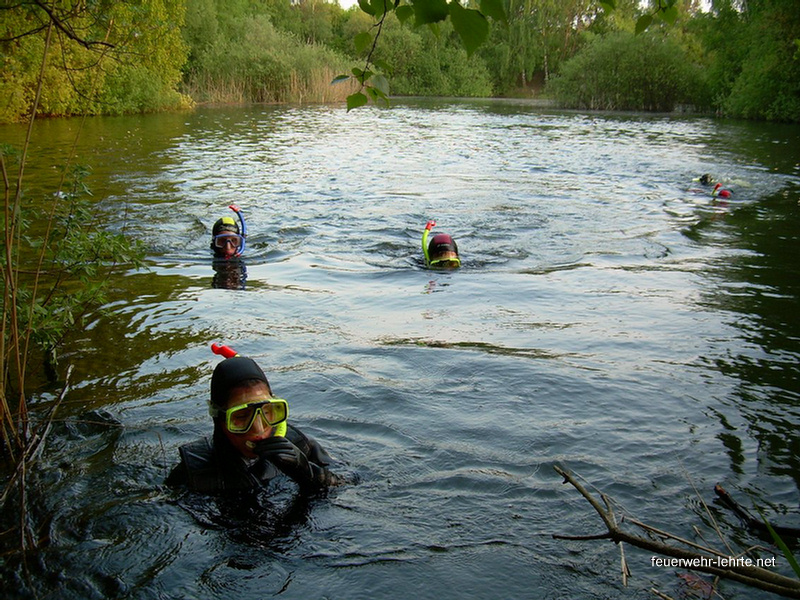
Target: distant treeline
(742,59)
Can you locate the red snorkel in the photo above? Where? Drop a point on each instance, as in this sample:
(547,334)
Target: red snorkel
(722,193)
(225,351)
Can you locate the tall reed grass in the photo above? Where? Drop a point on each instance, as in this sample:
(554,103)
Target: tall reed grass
(313,87)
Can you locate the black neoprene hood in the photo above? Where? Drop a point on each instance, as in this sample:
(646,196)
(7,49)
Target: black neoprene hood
(230,373)
(440,244)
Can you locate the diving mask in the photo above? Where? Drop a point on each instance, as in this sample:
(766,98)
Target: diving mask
(240,418)
(223,239)
(452,262)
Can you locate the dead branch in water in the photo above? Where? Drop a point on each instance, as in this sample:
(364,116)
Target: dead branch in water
(704,559)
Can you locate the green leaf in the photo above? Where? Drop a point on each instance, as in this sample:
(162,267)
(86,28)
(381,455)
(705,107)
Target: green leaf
(366,6)
(356,100)
(340,79)
(362,41)
(643,23)
(430,11)
(471,26)
(780,544)
(404,13)
(382,65)
(378,97)
(380,82)
(494,9)
(381,6)
(360,75)
(670,15)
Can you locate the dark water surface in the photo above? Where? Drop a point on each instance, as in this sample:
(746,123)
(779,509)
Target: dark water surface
(605,319)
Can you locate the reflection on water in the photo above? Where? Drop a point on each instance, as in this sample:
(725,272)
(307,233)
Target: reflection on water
(604,316)
(759,289)
(229,274)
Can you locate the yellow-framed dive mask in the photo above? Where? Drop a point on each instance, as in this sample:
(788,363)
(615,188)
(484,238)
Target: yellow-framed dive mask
(446,263)
(240,418)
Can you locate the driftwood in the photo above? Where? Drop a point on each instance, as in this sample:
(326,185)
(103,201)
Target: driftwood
(751,522)
(701,558)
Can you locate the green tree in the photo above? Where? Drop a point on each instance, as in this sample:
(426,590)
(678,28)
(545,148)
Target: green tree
(754,64)
(622,71)
(259,52)
(106,57)
(470,20)
(423,63)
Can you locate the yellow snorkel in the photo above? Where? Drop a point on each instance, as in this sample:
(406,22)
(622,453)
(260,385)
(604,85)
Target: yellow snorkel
(428,226)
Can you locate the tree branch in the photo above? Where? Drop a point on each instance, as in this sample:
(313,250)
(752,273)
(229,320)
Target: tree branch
(60,24)
(705,561)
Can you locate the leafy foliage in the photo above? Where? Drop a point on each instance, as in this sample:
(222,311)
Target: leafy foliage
(238,53)
(62,272)
(470,24)
(132,56)
(623,71)
(421,60)
(765,81)
(103,58)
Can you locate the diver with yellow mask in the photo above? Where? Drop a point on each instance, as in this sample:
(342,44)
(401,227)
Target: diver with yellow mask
(252,443)
(441,252)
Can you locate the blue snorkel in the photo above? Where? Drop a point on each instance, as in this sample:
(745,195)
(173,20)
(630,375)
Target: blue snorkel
(243,234)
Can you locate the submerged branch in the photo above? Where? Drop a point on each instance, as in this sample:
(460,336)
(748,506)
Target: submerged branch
(705,561)
(749,520)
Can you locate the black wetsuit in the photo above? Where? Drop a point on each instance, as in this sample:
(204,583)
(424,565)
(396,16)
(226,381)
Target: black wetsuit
(211,464)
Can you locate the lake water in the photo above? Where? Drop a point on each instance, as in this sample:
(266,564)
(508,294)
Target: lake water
(606,319)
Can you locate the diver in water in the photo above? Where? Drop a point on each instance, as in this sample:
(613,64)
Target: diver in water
(227,238)
(441,252)
(252,442)
(227,243)
(706,179)
(719,191)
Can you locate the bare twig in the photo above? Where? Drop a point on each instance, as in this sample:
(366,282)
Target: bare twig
(708,512)
(706,561)
(665,535)
(33,447)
